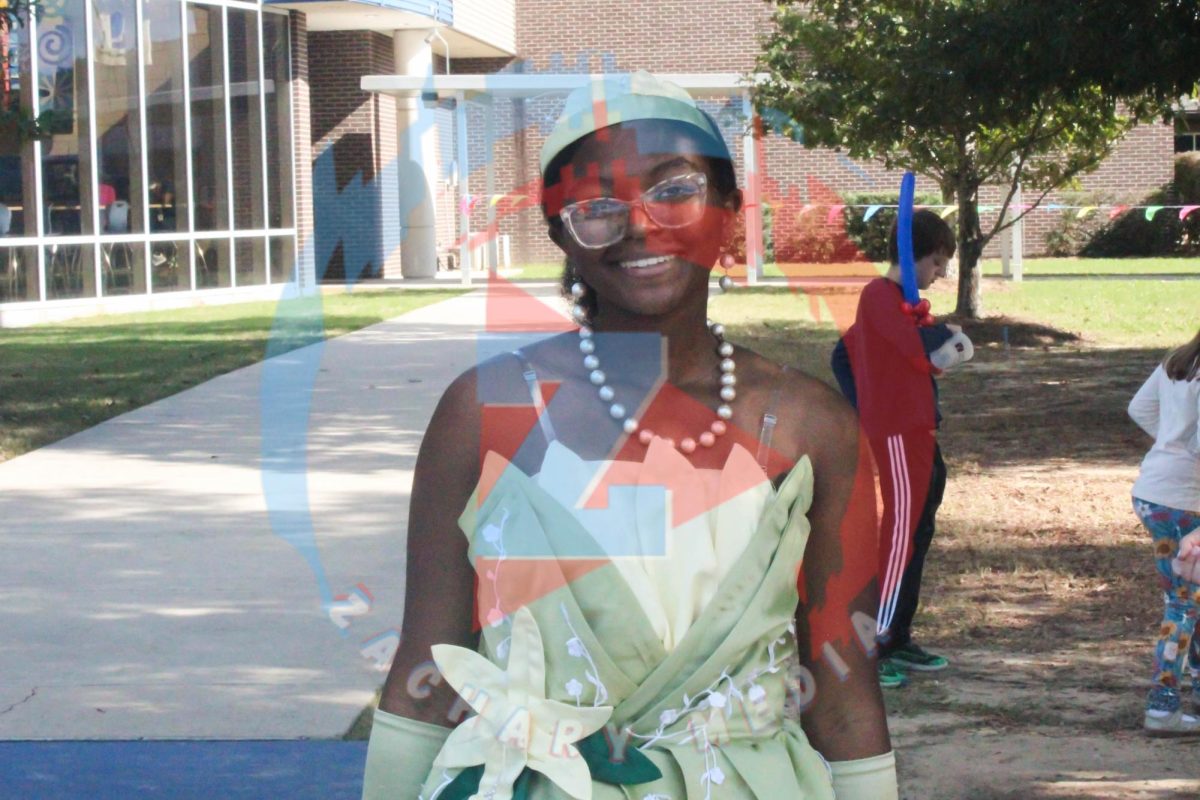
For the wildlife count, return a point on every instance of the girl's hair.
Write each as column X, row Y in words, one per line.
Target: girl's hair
column 724, row 182
column 1183, row 363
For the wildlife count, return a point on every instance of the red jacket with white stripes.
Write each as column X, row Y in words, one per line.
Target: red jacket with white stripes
column 892, row 374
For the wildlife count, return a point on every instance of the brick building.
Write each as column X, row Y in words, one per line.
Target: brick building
column 672, row 37
column 222, row 150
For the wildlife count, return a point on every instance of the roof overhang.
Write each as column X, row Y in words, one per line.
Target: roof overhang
column 369, row 15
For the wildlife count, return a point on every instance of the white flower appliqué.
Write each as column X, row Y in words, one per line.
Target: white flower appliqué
column 516, row 725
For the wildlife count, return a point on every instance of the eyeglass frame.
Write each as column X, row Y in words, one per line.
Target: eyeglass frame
column 564, row 213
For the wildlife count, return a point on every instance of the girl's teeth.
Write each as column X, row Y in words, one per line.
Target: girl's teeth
column 645, row 262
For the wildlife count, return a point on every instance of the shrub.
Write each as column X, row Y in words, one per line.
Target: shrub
column 809, row 237
column 1131, row 234
column 1070, row 234
column 1187, row 178
column 871, row 235
column 737, row 247
column 1187, row 192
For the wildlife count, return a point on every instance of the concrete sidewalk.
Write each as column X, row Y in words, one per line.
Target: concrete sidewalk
column 147, row 592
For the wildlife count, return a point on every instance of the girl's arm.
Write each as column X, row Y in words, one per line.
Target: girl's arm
column 439, row 581
column 835, row 622
column 1143, row 408
column 417, row 707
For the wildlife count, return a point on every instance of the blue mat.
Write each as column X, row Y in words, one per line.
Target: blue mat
column 296, row 770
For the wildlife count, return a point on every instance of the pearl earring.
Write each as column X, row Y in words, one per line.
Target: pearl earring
column 578, row 312
column 726, row 283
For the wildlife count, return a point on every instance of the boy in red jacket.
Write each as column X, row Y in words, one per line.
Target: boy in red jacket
column 885, row 365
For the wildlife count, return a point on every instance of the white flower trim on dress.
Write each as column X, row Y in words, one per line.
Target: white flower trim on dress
column 516, row 725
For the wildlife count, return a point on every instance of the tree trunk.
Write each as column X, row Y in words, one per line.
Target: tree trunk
column 970, row 247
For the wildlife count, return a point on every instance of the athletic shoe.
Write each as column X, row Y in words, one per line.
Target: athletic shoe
column 890, row 676
column 1170, row 723
column 912, row 656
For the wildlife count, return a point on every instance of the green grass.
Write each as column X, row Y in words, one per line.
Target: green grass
column 1101, row 266
column 1137, row 313
column 550, row 271
column 58, row 379
column 991, row 267
column 1115, row 313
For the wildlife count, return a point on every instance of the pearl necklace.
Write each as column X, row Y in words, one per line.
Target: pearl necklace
column 708, row 438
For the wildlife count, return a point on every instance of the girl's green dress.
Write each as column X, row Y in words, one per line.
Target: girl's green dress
column 708, row 711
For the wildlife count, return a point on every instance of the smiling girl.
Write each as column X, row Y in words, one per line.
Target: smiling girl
column 682, row 520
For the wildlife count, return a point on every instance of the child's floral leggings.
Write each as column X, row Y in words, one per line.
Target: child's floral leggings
column 1181, row 599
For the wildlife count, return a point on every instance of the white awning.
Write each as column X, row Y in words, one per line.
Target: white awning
column 512, row 85
column 516, row 85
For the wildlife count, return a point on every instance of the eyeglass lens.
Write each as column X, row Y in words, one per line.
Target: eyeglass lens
column 672, row 203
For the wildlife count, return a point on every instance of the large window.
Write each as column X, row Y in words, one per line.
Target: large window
column 166, row 134
column 62, row 89
column 206, row 71
column 16, row 95
column 246, row 128
column 118, row 114
column 18, row 265
column 165, row 159
column 279, row 120
column 118, row 140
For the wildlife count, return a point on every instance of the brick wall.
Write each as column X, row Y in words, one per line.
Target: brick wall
column 1140, row 164
column 670, row 36
column 361, row 129
column 656, row 35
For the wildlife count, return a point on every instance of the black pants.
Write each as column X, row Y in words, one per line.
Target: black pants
column 910, row 585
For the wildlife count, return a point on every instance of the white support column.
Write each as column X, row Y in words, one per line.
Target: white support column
column 1005, row 256
column 464, row 186
column 188, row 165
column 230, row 218
column 1012, row 243
column 753, row 198
column 34, row 195
column 93, row 166
column 417, row 156
column 143, row 41
column 493, row 242
column 1018, row 241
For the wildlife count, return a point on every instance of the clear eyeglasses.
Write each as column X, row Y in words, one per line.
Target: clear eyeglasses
column 673, row 203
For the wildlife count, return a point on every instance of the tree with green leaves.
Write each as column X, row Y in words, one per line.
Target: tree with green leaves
column 977, row 92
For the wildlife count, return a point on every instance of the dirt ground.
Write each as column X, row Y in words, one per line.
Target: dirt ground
column 1039, row 586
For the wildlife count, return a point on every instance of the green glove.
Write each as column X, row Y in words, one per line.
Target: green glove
column 871, row 778
column 399, row 756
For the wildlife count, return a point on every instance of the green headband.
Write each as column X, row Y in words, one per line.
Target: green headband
column 614, row 99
